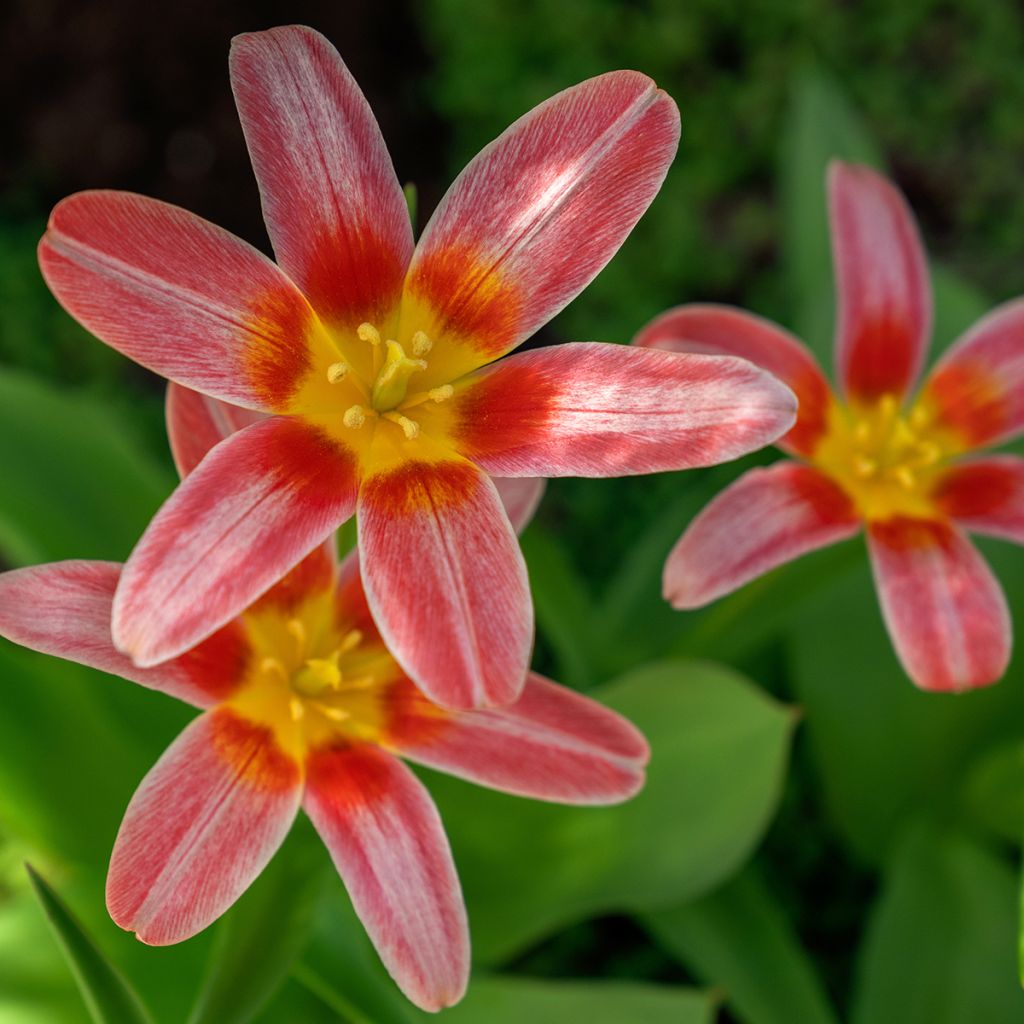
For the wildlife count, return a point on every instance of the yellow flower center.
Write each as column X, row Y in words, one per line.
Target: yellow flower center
column 887, row 461
column 387, row 396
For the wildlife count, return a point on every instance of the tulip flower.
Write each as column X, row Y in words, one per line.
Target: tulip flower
column 304, row 706
column 376, row 361
column 903, row 466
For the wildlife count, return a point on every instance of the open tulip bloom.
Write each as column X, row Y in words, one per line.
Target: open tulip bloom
column 305, row 706
column 376, row 361
column 905, row 467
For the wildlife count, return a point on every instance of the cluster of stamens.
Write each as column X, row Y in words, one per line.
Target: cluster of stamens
column 313, row 682
column 388, row 397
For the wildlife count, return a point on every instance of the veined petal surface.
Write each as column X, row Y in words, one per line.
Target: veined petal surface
column 64, row 609
column 985, row 496
column 196, row 423
column 724, row 331
column 181, row 296
column 254, row 508
column 551, row 744
column 766, row 518
column 882, row 283
column 387, row 842
column 333, row 206
column 945, row 610
column 591, row 409
column 446, row 581
column 534, row 217
column 977, row 387
column 201, row 826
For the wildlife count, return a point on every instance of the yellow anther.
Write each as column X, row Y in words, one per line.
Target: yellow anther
column 362, row 683
column 888, row 405
column 902, row 434
column 441, row 394
column 354, row 417
column 273, row 667
column 410, row 428
column 905, row 477
column 919, row 417
column 337, row 372
column 864, row 467
column 421, row 344
column 298, row 631
column 333, row 713
column 930, row 453
column 297, row 708
column 862, row 432
column 350, row 641
column 367, row 332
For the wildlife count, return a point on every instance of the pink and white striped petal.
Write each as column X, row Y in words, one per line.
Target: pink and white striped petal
column 196, row 423
column 259, row 503
column 521, row 495
column 552, row 744
column 883, row 288
column 201, row 826
column 387, row 842
column 333, row 206
column 181, row 296
column 977, row 387
column 590, row 409
column 64, row 609
column 534, row 217
column 985, row 496
column 446, row 581
column 945, row 611
column 766, row 518
column 724, row 331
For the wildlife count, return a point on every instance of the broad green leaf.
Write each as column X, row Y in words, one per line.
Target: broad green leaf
column 261, row 936
column 958, row 306
column 940, row 943
column 882, row 748
column 820, row 126
column 719, row 751
column 991, row 793
column 76, row 485
column 108, row 996
column 513, row 1000
column 739, row 941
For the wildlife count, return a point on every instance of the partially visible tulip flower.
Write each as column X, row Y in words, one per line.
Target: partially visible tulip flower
column 304, row 706
column 372, row 357
column 902, row 465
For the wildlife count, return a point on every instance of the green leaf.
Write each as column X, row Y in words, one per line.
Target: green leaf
column 106, row 993
column 820, row 126
column 98, row 489
column 991, row 794
column 512, row 1000
column 940, row 941
column 739, row 940
column 719, row 753
column 261, row 936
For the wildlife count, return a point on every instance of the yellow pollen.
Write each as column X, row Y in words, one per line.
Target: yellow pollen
column 367, row 332
column 333, row 713
column 354, row 417
column 421, row 344
column 337, row 372
column 864, row 467
column 905, row 477
column 273, row 667
column 350, row 641
column 297, row 709
column 298, row 631
column 409, row 427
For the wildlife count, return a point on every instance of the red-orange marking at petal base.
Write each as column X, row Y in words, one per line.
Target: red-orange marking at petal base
column 346, row 776
column 313, row 575
column 276, row 357
column 310, row 461
column 470, row 298
column 217, row 666
column 411, row 717
column 812, row 419
column 881, row 358
column 968, row 398
column 827, row 498
column 904, row 534
column 421, row 486
column 253, row 753
column 970, row 491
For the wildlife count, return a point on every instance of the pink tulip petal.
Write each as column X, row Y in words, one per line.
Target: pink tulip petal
column 530, row 222
column 766, row 518
column 723, row 331
column 255, row 507
column 64, row 609
column 985, row 496
column 196, row 423
column 201, row 826
column 552, row 744
column 387, row 842
column 520, row 495
column 589, row 409
column 181, row 296
column 946, row 612
column 883, row 288
column 333, row 206
column 977, row 387
column 446, row 581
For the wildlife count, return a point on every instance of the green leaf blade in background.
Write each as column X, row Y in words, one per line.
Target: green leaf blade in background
column 108, row 996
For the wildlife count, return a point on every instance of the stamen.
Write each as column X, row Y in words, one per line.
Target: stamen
column 409, row 427
column 919, row 417
column 360, row 683
column 906, row 478
column 930, row 453
column 337, row 372
column 354, row 417
column 298, row 631
column 297, row 708
column 888, row 405
column 273, row 667
column 421, row 344
column 350, row 641
column 333, row 713
column 862, row 432
column 367, row 332
column 439, row 394
column 865, row 467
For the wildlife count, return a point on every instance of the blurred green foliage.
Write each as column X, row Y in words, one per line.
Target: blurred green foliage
column 884, row 892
